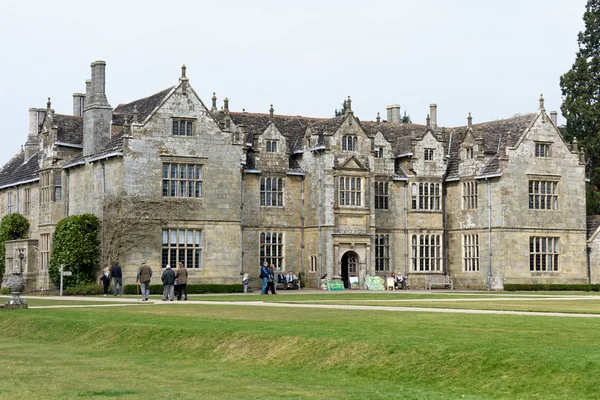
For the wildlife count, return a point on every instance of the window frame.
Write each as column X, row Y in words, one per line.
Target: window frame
column 542, row 150
column 544, row 252
column 270, row 193
column 172, row 180
column 176, row 247
column 382, row 253
column 539, row 196
column 188, row 124
column 349, row 143
column 382, row 195
column 273, row 252
column 350, row 191
column 271, row 146
column 470, row 195
column 426, row 255
column 471, row 253
column 428, row 154
column 425, row 196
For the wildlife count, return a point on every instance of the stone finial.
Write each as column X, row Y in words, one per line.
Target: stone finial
column 470, row 120
column 575, row 146
column 348, row 104
column 271, row 111
column 285, row 127
column 509, row 142
column 48, row 104
column 582, row 156
column 378, row 119
column 541, row 101
column 428, row 121
column 183, row 68
column 214, row 102
column 226, row 104
column 135, row 114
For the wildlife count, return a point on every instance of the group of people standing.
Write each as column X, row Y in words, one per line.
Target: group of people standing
column 267, row 274
column 174, row 282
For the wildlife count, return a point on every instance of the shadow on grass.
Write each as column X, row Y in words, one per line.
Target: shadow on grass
column 106, row 393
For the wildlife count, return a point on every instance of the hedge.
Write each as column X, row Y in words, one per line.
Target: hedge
column 12, row 227
column 550, row 287
column 191, row 289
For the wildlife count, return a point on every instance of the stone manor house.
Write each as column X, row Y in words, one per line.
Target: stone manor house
column 223, row 190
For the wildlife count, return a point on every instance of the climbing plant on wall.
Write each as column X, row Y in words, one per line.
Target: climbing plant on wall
column 12, row 227
column 75, row 245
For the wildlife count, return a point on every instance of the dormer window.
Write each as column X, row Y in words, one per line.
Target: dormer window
column 349, row 143
column 469, row 151
column 271, row 146
column 378, row 152
column 183, row 127
column 428, row 155
column 542, row 149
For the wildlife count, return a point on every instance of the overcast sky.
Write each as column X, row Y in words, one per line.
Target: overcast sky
column 491, row 58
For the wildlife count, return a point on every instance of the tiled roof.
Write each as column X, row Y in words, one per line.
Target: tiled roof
column 593, row 222
column 16, row 170
column 70, row 128
column 124, row 112
column 292, row 127
column 398, row 134
column 494, row 135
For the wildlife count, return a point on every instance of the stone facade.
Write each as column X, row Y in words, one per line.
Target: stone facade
column 490, row 203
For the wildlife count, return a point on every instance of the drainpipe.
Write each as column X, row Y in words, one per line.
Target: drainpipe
column 444, row 232
column 489, row 190
column 242, row 221
column 406, row 227
column 67, row 191
column 103, row 197
column 589, row 269
column 302, row 228
column 320, row 220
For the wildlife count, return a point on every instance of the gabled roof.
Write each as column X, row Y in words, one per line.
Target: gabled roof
column 70, row 128
column 592, row 224
column 18, row 170
column 398, row 134
column 145, row 106
column 494, row 135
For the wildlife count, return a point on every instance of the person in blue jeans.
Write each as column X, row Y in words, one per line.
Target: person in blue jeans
column 264, row 275
column 117, row 275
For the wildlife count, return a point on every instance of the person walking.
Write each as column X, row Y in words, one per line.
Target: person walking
column 264, row 275
column 245, row 282
column 117, row 275
column 144, row 275
column 105, row 278
column 181, row 278
column 271, row 280
column 168, row 280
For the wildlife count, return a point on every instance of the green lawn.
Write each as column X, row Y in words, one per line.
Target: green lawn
column 238, row 352
column 40, row 302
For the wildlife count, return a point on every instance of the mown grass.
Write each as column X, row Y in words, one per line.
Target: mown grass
column 238, row 352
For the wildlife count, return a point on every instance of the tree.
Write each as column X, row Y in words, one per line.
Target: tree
column 406, row 118
column 75, row 245
column 13, row 227
column 580, row 88
column 342, row 111
column 129, row 221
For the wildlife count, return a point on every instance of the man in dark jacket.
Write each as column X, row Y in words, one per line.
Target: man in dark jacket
column 181, row 278
column 264, row 275
column 117, row 275
column 168, row 280
column 144, row 275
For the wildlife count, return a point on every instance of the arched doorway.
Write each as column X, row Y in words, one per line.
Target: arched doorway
column 349, row 267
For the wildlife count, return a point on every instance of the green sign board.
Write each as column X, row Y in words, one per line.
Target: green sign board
column 335, row 285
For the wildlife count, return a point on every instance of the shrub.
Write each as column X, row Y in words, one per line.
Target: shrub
column 202, row 288
column 75, row 245
column 550, row 287
column 85, row 289
column 12, row 227
column 5, row 290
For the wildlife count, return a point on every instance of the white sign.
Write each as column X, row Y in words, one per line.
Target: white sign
column 67, row 273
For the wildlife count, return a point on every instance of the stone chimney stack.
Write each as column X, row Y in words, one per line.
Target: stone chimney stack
column 554, row 117
column 433, row 115
column 393, row 113
column 36, row 116
column 88, row 94
column 97, row 115
column 78, row 104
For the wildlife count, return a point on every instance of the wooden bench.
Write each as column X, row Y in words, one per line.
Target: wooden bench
column 441, row 280
column 286, row 286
